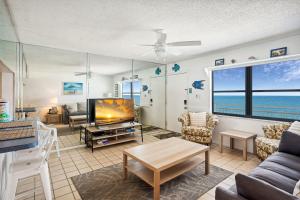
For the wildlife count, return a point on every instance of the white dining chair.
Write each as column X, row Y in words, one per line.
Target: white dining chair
column 37, row 165
column 41, row 125
column 43, row 130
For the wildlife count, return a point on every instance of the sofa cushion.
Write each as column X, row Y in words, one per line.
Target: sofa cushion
column 266, row 144
column 297, row 189
column 272, row 177
column 295, row 127
column 81, row 107
column 272, row 165
column 72, row 107
column 255, row 189
column 285, row 159
column 198, row 119
column 290, row 143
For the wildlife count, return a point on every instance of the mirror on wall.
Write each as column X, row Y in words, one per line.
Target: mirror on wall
column 149, row 92
column 54, row 89
column 107, row 74
column 8, row 72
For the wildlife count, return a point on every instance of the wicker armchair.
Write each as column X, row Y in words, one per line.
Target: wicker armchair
column 268, row 144
column 199, row 134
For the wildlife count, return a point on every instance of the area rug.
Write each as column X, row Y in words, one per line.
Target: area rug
column 108, row 183
column 161, row 133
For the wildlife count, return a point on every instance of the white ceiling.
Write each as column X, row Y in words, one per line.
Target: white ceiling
column 117, row 27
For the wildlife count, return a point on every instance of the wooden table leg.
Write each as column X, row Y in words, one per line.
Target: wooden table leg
column 231, row 143
column 245, row 150
column 221, row 143
column 207, row 162
column 156, row 188
column 125, row 163
column 254, row 146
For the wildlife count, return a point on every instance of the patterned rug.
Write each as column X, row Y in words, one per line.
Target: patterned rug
column 160, row 133
column 107, row 183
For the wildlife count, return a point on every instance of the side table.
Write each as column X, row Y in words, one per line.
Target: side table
column 240, row 135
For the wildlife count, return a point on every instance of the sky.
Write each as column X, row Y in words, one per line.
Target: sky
column 136, row 86
column 279, row 75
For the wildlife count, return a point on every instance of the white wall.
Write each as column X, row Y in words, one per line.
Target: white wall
column 7, row 90
column 200, row 100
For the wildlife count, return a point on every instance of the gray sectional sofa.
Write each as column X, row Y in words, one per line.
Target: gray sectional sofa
column 274, row 179
column 73, row 109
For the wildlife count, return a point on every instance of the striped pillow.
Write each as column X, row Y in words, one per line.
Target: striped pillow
column 295, row 128
column 198, row 119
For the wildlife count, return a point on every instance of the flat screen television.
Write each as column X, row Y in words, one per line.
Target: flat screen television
column 114, row 110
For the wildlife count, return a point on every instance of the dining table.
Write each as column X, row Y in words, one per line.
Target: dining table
column 8, row 150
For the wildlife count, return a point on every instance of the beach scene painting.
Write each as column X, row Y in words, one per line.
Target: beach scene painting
column 72, row 88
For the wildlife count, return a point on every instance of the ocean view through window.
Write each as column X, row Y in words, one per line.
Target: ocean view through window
column 268, row 91
column 136, row 91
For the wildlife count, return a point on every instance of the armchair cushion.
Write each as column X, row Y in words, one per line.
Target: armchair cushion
column 274, row 131
column 196, row 131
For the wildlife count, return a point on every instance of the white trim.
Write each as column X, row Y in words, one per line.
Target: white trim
column 255, row 62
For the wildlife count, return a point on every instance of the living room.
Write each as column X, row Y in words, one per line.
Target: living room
column 212, row 91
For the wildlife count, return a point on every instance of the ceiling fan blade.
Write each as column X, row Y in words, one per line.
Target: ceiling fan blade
column 185, row 43
column 79, row 73
column 148, row 45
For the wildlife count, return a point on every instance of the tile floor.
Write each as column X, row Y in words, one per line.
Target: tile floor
column 81, row 160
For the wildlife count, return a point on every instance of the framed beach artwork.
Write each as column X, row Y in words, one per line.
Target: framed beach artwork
column 278, row 52
column 72, row 88
column 219, row 62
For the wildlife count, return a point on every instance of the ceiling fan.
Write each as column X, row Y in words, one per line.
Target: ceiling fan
column 160, row 46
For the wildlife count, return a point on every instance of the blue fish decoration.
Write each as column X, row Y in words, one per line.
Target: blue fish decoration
column 145, row 88
column 176, row 68
column 198, row 84
column 157, row 71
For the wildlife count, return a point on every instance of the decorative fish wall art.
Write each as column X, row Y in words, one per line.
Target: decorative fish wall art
column 176, row 68
column 145, row 88
column 198, row 84
column 157, row 71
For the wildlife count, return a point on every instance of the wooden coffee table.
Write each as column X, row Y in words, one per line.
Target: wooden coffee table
column 164, row 160
column 240, row 135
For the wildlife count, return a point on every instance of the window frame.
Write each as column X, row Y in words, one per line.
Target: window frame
column 248, row 97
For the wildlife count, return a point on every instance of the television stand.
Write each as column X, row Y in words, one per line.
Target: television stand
column 105, row 135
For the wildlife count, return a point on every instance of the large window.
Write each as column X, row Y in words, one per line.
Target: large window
column 271, row 91
column 229, row 91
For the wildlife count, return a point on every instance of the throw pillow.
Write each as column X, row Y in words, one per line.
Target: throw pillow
column 295, row 127
column 72, row 107
column 297, row 189
column 198, row 119
column 289, row 143
column 81, row 107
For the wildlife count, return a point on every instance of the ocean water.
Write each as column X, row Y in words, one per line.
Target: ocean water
column 136, row 98
column 287, row 107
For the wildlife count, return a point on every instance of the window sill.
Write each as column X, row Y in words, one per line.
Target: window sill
column 253, row 118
